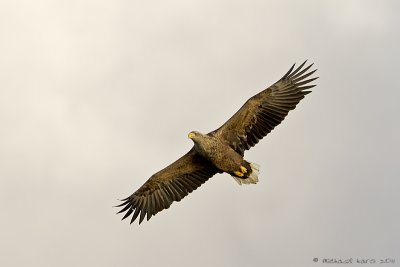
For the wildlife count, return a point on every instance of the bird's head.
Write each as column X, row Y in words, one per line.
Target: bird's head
column 194, row 135
column 199, row 141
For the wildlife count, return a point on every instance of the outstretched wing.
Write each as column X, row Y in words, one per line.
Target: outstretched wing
column 262, row 112
column 168, row 185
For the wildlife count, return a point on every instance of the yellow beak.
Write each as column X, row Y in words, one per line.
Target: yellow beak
column 191, row 135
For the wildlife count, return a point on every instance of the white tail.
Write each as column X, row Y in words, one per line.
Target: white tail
column 253, row 178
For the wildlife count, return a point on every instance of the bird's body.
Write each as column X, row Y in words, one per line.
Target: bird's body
column 221, row 155
column 221, row 150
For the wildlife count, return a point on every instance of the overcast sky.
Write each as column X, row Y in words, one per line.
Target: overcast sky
column 96, row 96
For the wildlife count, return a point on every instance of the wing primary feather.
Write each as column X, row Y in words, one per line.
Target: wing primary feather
column 152, row 202
column 290, row 92
column 271, row 108
column 149, row 216
column 126, row 200
column 303, row 71
column 303, row 77
column 306, row 87
column 166, row 198
column 158, row 207
column 127, row 213
column 168, row 194
column 144, row 203
column 134, row 216
column 161, row 201
column 139, row 202
column 279, row 105
column 291, row 97
column 149, row 207
column 287, row 73
column 296, row 70
column 142, row 215
column 136, row 201
column 158, row 200
column 124, row 209
column 306, row 81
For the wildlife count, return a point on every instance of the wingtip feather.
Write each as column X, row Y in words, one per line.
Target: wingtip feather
column 288, row 72
column 296, row 70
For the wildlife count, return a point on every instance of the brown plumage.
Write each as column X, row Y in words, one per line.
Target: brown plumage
column 221, row 150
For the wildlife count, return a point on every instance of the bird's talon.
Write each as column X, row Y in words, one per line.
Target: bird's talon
column 243, row 169
column 239, row 174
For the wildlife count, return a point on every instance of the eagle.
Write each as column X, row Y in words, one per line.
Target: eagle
column 221, row 150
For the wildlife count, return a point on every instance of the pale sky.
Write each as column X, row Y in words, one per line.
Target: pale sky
column 96, row 96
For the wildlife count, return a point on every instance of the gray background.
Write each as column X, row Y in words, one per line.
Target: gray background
column 96, row 96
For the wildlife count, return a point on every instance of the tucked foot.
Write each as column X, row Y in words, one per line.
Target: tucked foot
column 239, row 174
column 251, row 179
column 243, row 169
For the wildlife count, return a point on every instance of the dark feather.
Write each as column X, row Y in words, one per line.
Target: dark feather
column 267, row 109
column 168, row 185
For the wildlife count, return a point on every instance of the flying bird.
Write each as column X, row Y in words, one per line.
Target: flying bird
column 221, row 150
